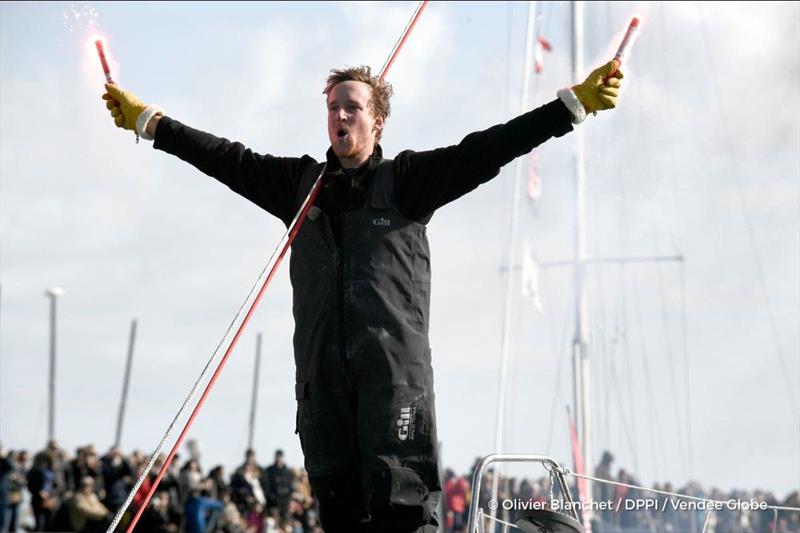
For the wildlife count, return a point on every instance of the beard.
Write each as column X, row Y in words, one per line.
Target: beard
column 345, row 146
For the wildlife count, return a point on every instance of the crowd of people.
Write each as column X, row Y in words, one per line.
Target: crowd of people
column 83, row 493
column 741, row 511
column 56, row 492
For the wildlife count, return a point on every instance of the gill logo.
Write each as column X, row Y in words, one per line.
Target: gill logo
column 406, row 423
column 381, row 222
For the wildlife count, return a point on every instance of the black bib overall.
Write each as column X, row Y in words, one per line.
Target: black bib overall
column 364, row 379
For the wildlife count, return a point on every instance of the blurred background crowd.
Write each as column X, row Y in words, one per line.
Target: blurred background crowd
column 55, row 491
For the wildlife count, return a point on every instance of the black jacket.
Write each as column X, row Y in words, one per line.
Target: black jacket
column 424, row 181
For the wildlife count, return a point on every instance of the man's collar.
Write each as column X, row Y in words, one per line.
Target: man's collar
column 335, row 166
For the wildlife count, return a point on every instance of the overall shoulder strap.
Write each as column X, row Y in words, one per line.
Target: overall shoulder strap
column 307, row 179
column 383, row 185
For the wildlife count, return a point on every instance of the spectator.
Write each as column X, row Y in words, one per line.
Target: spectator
column 250, row 460
column 171, row 482
column 217, row 476
column 87, row 513
column 255, row 520
column 6, row 469
column 159, row 516
column 455, row 493
column 117, row 475
column 200, row 510
column 17, row 482
column 144, row 489
column 279, row 487
column 604, row 492
column 58, row 465
column 231, row 520
column 190, row 478
column 41, row 485
column 246, row 488
column 302, row 499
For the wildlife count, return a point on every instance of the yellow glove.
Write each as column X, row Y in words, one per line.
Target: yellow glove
column 600, row 90
column 125, row 107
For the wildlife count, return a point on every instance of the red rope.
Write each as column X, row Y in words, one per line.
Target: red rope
column 402, row 41
column 312, row 195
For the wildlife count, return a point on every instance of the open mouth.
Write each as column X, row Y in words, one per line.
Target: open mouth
column 341, row 132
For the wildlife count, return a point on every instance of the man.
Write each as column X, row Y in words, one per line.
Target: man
column 360, row 269
column 117, row 473
column 279, row 480
column 201, row 509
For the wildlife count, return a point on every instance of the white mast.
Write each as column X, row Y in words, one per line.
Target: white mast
column 580, row 356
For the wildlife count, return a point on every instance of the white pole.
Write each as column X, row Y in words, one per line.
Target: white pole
column 52, row 293
column 125, row 383
column 579, row 345
column 511, row 262
column 254, row 397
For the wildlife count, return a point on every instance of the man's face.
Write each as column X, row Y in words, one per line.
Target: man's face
column 352, row 127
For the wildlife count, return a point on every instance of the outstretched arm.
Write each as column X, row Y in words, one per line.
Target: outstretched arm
column 425, row 181
column 266, row 180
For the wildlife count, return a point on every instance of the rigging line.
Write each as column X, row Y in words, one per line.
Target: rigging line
column 512, row 260
column 264, row 280
column 561, row 355
column 271, row 266
column 686, row 371
column 537, row 25
column 539, row 19
column 192, row 393
column 606, row 362
column 608, row 352
column 656, row 170
column 568, row 472
column 666, row 46
column 613, row 383
column 626, row 427
column 514, row 366
column 751, row 238
column 653, row 419
column 627, row 351
column 509, row 24
column 705, row 522
column 671, row 364
column 663, row 20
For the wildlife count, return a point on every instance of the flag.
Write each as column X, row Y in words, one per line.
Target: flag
column 534, row 180
column 542, row 46
column 530, row 278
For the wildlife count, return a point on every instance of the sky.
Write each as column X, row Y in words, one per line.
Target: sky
column 695, row 364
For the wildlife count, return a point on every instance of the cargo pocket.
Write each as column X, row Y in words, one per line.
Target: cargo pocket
column 399, row 499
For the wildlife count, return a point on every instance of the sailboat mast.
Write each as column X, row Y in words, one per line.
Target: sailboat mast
column 580, row 358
